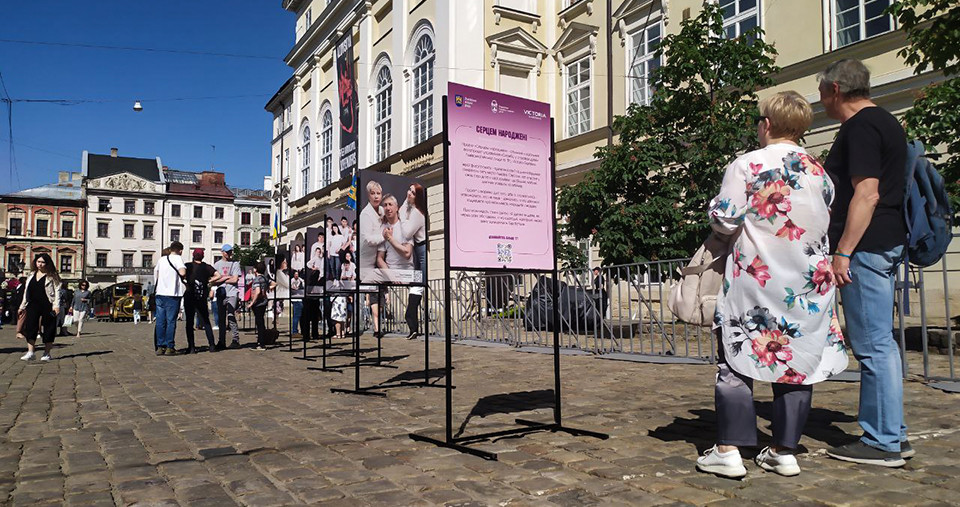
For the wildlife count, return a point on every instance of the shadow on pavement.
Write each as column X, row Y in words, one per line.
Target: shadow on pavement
column 85, row 354
column 509, row 403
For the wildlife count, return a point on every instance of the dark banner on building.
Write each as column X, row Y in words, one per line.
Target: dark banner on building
column 349, row 105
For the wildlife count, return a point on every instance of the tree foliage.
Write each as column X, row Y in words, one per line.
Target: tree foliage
column 933, row 31
column 648, row 198
column 254, row 253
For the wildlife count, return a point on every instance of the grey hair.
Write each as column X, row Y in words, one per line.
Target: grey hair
column 851, row 75
column 373, row 184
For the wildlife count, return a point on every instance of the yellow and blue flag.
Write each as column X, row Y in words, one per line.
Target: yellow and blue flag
column 352, row 194
column 275, row 230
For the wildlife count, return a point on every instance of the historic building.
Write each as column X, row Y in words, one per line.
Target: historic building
column 125, row 203
column 589, row 59
column 48, row 219
column 253, row 214
column 199, row 211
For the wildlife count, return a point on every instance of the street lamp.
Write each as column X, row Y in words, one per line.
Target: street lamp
column 137, row 106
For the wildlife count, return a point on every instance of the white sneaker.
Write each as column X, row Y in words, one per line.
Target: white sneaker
column 783, row 464
column 45, row 357
column 28, row 356
column 728, row 464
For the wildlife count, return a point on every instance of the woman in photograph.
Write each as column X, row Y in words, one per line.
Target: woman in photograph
column 41, row 304
column 348, row 272
column 774, row 204
column 315, row 265
column 296, row 258
column 283, row 287
column 413, row 214
column 335, row 241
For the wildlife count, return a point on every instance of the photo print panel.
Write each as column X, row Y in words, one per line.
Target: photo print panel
column 392, row 239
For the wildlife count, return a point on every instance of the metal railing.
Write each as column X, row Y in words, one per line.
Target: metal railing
column 624, row 311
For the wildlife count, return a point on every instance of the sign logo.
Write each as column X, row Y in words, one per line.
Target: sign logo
column 494, row 106
column 458, row 100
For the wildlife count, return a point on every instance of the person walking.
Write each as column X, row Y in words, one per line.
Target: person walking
column 227, row 295
column 168, row 274
column 41, row 305
column 774, row 205
column 137, row 309
column 258, row 301
column 867, row 230
column 200, row 276
column 81, row 305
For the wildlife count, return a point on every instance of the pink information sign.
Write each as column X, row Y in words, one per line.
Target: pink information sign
column 501, row 181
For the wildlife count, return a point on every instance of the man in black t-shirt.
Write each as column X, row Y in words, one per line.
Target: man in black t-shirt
column 867, row 234
column 200, row 276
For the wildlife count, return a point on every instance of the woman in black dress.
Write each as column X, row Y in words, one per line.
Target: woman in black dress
column 41, row 303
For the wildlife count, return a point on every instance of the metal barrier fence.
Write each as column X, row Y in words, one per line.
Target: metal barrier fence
column 623, row 311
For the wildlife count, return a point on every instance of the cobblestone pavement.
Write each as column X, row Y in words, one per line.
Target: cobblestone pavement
column 107, row 422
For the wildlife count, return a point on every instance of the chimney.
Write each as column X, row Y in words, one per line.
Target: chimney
column 63, row 177
column 113, row 152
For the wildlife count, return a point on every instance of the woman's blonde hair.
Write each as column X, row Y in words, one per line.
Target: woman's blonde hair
column 789, row 113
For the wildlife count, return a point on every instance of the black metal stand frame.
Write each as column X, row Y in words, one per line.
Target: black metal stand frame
column 460, row 443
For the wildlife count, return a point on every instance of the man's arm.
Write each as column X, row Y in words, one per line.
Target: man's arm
column 866, row 195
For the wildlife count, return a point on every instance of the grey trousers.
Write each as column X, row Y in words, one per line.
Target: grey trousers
column 737, row 416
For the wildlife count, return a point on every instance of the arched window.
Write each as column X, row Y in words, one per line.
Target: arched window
column 423, row 89
column 384, row 111
column 326, row 148
column 305, row 164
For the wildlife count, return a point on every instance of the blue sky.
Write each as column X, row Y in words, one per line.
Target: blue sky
column 50, row 137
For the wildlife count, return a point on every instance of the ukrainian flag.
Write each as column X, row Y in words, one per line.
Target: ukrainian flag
column 275, row 230
column 352, row 194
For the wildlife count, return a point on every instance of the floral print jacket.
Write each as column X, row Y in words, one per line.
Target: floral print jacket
column 776, row 307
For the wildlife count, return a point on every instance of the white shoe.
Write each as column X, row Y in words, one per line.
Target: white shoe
column 783, row 464
column 45, row 357
column 27, row 357
column 728, row 465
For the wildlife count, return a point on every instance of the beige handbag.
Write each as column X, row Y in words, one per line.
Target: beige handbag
column 693, row 299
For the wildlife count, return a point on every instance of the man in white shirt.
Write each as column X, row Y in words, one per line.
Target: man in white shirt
column 168, row 275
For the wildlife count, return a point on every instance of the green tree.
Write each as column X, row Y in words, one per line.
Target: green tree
column 252, row 254
column 933, row 31
column 648, row 198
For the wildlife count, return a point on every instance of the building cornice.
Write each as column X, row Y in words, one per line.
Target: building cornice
column 335, row 19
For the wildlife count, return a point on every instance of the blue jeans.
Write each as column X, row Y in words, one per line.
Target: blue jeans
column 297, row 311
column 168, row 307
column 868, row 310
column 215, row 312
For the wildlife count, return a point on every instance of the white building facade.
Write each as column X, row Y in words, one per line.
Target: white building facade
column 200, row 212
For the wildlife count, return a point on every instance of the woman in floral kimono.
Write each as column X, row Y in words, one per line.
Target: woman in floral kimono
column 775, row 315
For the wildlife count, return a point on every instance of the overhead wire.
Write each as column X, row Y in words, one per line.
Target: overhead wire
column 135, row 48
column 12, row 169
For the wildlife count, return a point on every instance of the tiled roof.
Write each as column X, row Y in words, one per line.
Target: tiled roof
column 99, row 166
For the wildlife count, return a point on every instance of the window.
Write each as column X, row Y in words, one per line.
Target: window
column 146, row 260
column 265, row 236
column 643, row 64
column 305, row 160
column 101, row 259
column 42, row 226
column 129, row 207
column 13, row 261
column 739, row 16
column 279, row 168
column 245, row 238
column 384, row 110
column 127, row 231
column 16, row 227
column 217, row 258
column 174, row 234
column 218, row 213
column 423, row 89
column 218, row 237
column 103, row 229
column 66, row 230
column 128, row 260
column 198, row 212
column 326, row 147
column 66, row 264
column 148, row 208
column 175, row 210
column 198, row 236
column 578, row 97
column 103, row 205
column 245, row 218
column 309, row 17
column 147, row 231
column 265, row 219
column 857, row 20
